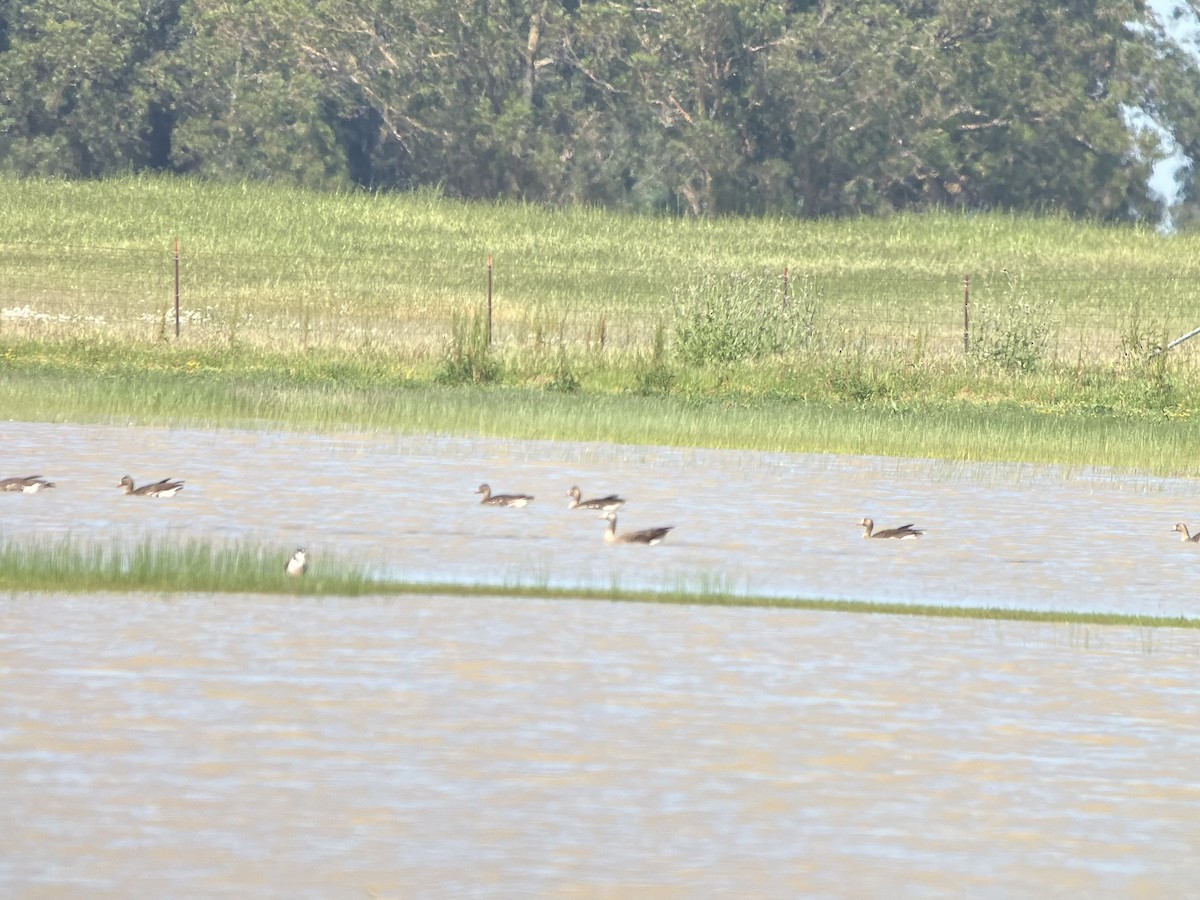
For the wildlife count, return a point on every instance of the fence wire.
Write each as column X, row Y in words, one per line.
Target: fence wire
column 411, row 305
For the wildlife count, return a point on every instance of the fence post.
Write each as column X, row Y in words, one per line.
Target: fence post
column 966, row 314
column 176, row 287
column 489, row 300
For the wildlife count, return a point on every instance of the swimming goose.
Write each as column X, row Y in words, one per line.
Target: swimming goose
column 611, row 503
column 646, row 536
column 902, row 533
column 490, row 499
column 30, row 484
column 298, row 564
column 164, row 488
column 1183, row 534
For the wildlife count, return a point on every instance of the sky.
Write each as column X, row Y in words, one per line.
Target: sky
column 1181, row 24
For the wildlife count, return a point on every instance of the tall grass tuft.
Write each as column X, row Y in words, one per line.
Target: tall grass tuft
column 168, row 565
column 469, row 358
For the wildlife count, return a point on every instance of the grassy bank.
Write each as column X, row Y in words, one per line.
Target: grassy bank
column 166, row 567
column 1040, row 417
column 316, row 311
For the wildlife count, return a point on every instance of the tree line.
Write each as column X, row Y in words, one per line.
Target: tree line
column 698, row 107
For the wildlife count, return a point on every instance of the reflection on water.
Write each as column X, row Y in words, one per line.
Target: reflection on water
column 451, row 747
column 766, row 523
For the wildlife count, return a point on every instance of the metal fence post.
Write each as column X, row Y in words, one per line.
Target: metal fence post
column 176, row 287
column 489, row 300
column 966, row 314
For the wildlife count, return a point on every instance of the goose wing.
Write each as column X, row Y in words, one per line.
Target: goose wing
column 647, row 535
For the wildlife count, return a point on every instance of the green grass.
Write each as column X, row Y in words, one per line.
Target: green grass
column 161, row 566
column 349, row 311
column 276, row 266
column 68, row 564
column 1034, row 418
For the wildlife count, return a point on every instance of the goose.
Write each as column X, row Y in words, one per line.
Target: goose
column 904, row 532
column 490, row 499
column 611, row 503
column 646, row 536
column 29, row 484
column 1183, row 534
column 164, row 488
column 298, row 564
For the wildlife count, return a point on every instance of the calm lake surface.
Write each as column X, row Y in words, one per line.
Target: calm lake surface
column 451, row 747
column 775, row 524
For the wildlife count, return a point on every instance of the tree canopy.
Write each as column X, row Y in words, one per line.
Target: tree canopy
column 702, row 107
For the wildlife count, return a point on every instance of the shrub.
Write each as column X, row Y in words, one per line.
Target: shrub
column 721, row 320
column 1013, row 333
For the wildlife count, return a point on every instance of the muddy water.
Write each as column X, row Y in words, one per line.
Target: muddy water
column 444, row 747
column 779, row 524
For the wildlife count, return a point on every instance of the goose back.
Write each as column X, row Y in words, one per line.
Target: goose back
column 513, row 500
column 901, row 532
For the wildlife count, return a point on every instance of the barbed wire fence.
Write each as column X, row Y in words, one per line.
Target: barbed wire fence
column 410, row 305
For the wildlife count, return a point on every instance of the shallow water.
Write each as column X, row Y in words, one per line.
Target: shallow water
column 449, row 747
column 764, row 523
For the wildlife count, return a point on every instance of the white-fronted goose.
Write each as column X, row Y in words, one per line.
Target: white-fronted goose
column 490, row 499
column 645, row 536
column 611, row 503
column 901, row 533
column 29, row 484
column 298, row 564
column 164, row 488
column 1183, row 534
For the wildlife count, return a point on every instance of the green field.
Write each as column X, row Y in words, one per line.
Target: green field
column 273, row 266
column 326, row 311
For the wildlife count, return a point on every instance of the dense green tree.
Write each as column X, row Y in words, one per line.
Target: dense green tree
column 245, row 100
column 701, row 107
column 81, row 96
column 973, row 104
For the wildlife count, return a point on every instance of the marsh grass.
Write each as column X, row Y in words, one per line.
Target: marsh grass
column 1136, row 424
column 169, row 566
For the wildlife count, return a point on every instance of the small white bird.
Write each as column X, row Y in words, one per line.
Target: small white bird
column 298, row 564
